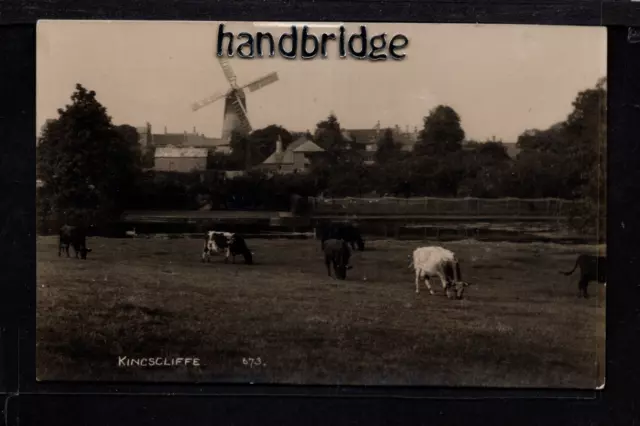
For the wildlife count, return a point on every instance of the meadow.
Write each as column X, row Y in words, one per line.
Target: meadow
column 520, row 324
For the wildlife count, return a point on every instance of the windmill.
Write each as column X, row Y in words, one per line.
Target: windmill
column 235, row 105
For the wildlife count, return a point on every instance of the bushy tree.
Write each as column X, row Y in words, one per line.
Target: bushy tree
column 442, row 132
column 487, row 167
column 388, row 149
column 87, row 165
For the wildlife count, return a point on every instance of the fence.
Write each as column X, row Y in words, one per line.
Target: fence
column 427, row 206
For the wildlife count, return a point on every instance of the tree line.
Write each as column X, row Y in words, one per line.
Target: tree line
column 94, row 169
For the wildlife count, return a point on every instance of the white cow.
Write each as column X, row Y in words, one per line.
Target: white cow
column 434, row 261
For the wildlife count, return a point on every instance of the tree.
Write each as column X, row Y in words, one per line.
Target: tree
column 486, row 169
column 263, row 142
column 552, row 139
column 241, row 150
column 442, row 132
column 586, row 129
column 328, row 136
column 86, row 164
column 388, row 149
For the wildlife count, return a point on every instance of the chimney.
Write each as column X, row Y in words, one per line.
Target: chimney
column 194, row 130
column 279, row 146
column 165, row 130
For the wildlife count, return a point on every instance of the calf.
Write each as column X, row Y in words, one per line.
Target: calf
column 73, row 236
column 232, row 245
column 337, row 253
column 592, row 268
column 433, row 261
column 343, row 231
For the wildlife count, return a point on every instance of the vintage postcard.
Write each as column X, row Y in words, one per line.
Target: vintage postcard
column 321, row 203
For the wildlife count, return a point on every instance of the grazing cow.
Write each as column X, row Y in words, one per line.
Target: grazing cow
column 337, row 253
column 592, row 268
column 232, row 244
column 73, row 236
column 433, row 261
column 342, row 231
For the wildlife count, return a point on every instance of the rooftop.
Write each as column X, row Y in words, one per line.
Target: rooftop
column 300, row 145
column 180, row 152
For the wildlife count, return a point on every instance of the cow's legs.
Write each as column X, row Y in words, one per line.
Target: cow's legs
column 67, row 250
column 59, row 249
column 582, row 287
column 443, row 280
column 327, row 262
column 426, row 283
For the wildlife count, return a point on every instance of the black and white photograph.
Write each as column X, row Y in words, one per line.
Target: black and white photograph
column 433, row 218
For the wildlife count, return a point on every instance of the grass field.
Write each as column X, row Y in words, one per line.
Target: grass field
column 520, row 325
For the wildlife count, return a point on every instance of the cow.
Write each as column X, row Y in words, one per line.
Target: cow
column 232, row 244
column 73, row 236
column 337, row 253
column 342, row 231
column 434, row 261
column 592, row 268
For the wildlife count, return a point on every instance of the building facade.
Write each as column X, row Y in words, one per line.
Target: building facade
column 294, row 159
column 180, row 159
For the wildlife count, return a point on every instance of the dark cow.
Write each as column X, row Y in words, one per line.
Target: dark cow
column 342, row 231
column 337, row 253
column 232, row 245
column 76, row 237
column 592, row 268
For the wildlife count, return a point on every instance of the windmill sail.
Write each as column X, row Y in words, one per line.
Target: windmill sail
column 204, row 102
column 228, row 72
column 262, row 82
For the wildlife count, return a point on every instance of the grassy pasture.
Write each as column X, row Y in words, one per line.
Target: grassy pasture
column 520, row 325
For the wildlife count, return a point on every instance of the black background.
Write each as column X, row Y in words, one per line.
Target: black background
column 29, row 403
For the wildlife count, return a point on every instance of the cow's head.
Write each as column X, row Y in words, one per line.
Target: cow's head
column 83, row 253
column 455, row 289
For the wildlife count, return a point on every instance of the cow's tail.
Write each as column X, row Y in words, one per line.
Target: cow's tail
column 571, row 271
column 410, row 262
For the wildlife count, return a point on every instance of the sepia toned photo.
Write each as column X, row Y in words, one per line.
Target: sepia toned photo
column 412, row 204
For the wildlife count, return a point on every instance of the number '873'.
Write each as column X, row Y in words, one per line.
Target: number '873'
column 252, row 362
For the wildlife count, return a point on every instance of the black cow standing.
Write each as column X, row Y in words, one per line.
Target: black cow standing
column 343, row 231
column 592, row 268
column 76, row 237
column 337, row 253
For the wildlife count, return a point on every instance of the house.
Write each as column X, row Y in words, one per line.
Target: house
column 185, row 139
column 180, row 159
column 294, row 159
column 366, row 140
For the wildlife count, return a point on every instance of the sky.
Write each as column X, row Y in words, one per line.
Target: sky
column 501, row 79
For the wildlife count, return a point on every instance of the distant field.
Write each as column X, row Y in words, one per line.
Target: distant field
column 521, row 325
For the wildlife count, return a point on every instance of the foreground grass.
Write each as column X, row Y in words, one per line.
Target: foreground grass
column 521, row 325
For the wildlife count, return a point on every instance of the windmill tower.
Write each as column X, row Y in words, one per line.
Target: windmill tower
column 235, row 104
